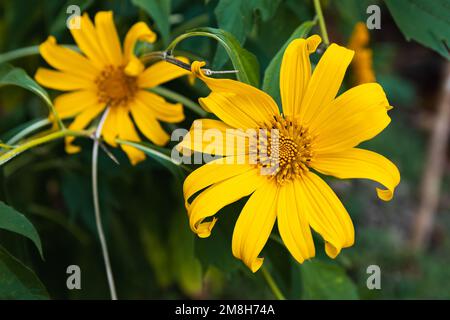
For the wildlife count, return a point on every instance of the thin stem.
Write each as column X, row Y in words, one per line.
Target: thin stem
column 272, row 284
column 38, row 141
column 29, row 129
column 19, row 53
column 323, row 27
column 25, row 52
column 98, row 219
column 169, row 94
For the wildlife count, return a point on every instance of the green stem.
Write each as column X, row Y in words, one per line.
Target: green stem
column 25, row 52
column 19, row 53
column 323, row 27
column 38, row 141
column 169, row 94
column 272, row 284
column 29, row 129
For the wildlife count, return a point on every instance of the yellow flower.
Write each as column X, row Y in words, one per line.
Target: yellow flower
column 108, row 75
column 362, row 62
column 316, row 131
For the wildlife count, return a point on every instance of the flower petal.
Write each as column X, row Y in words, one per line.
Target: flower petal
column 147, row 123
column 111, row 127
column 355, row 116
column 81, row 122
column 237, row 104
column 88, row 41
column 128, row 132
column 67, row 60
column 214, row 137
column 359, row 163
column 255, row 224
column 217, row 196
column 138, row 32
column 295, row 73
column 325, row 81
column 160, row 108
column 293, row 224
column 61, row 80
column 107, row 35
column 213, row 172
column 70, row 104
column 161, row 72
column 325, row 213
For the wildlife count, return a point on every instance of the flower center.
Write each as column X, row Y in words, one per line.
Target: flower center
column 114, row 87
column 283, row 149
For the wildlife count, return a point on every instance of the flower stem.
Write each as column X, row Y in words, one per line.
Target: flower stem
column 19, row 53
column 29, row 129
column 272, row 284
column 169, row 94
column 27, row 51
column 98, row 219
column 323, row 27
column 5, row 157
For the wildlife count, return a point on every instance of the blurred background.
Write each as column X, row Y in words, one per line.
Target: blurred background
column 154, row 254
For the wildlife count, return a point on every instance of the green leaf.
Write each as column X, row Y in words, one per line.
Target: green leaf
column 17, row 281
column 14, row 221
column 271, row 82
column 242, row 60
column 424, row 21
column 10, row 75
column 326, row 281
column 159, row 10
column 237, row 17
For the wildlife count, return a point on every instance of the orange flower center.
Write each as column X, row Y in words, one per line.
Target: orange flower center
column 283, row 149
column 114, row 87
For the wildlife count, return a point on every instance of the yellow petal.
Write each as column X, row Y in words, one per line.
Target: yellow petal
column 138, row 32
column 235, row 103
column 355, row 116
column 88, row 41
column 147, row 123
column 67, row 60
column 107, row 35
column 160, row 108
column 359, row 163
column 127, row 132
column 161, row 72
column 214, row 137
column 70, row 104
column 211, row 173
column 255, row 224
column 61, row 80
column 293, row 224
column 217, row 196
column 81, row 122
column 325, row 81
column 111, row 127
column 325, row 213
column 295, row 73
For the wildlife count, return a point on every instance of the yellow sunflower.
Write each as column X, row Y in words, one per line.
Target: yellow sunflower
column 107, row 75
column 316, row 131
